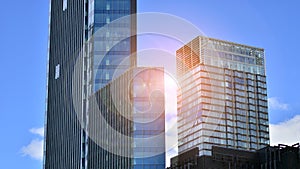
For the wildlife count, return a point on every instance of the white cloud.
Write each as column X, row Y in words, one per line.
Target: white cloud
column 276, row 104
column 287, row 132
column 34, row 149
column 39, row 131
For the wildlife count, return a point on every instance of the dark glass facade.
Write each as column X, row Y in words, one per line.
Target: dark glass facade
column 127, row 122
column 223, row 99
column 149, row 118
column 112, row 41
column 62, row 127
column 79, row 64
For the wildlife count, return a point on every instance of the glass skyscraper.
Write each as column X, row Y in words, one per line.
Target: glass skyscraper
column 89, row 46
column 223, row 96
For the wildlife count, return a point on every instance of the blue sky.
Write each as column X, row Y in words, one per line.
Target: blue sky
column 24, row 32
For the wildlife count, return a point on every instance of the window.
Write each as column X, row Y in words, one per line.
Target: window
column 239, row 80
column 229, row 123
column 251, row 101
column 230, row 136
column 252, row 120
column 252, row 114
column 107, row 62
column 253, row 132
column 57, row 71
column 251, row 95
column 230, row 142
column 250, row 88
column 65, row 4
column 107, row 20
column 253, row 126
column 253, row 145
column 107, row 6
column 251, row 107
column 107, row 76
column 229, row 129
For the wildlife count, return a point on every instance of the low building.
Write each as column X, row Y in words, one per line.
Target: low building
column 280, row 157
column 271, row 157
